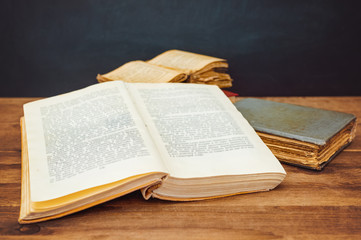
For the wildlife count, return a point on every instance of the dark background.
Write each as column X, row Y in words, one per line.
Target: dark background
column 274, row 48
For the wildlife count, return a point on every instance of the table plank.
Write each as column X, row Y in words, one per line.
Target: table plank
column 307, row 205
column 12, row 108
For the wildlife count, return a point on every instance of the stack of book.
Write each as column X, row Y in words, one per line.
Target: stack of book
column 173, row 66
column 177, row 142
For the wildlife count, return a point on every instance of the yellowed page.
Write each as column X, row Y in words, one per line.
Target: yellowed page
column 182, row 60
column 200, row 133
column 139, row 71
column 84, row 139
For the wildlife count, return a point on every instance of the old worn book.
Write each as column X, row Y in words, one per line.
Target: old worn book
column 140, row 71
column 174, row 66
column 302, row 136
column 178, row 142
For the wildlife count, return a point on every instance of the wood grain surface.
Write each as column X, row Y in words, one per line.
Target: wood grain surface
column 307, row 205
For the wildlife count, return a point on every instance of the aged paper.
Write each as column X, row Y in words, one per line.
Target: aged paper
column 86, row 138
column 200, row 133
column 184, row 61
column 139, row 71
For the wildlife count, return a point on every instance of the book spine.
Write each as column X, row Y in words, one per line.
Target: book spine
column 147, row 192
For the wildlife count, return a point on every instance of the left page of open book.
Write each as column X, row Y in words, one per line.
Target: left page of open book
column 139, row 71
column 84, row 139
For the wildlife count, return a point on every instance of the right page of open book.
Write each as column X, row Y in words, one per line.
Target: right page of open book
column 182, row 60
column 200, row 133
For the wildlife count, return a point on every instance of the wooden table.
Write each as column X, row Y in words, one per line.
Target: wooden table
column 307, row 205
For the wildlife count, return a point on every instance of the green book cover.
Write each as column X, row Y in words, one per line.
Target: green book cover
column 301, row 123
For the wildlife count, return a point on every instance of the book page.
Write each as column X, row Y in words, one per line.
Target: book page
column 200, row 133
column 139, row 71
column 86, row 138
column 185, row 61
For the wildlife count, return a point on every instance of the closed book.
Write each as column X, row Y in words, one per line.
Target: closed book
column 299, row 135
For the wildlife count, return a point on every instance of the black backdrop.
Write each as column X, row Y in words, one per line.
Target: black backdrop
column 274, row 48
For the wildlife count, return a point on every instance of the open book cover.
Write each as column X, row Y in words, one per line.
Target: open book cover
column 173, row 66
column 298, row 135
column 179, row 142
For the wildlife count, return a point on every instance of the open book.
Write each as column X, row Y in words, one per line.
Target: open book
column 178, row 142
column 173, row 66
